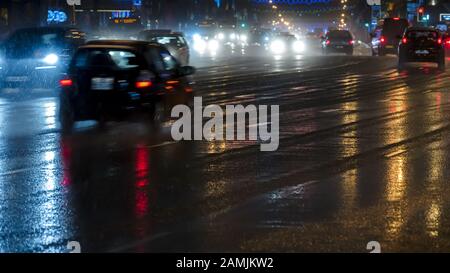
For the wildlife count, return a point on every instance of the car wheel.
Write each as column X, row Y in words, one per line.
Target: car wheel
column 441, row 63
column 66, row 115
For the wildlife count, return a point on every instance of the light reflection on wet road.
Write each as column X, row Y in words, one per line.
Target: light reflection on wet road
column 363, row 156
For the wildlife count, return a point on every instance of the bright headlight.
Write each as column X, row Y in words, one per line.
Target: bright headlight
column 278, row 47
column 244, row 38
column 298, row 46
column 199, row 45
column 51, row 59
column 221, row 36
column 232, row 36
column 196, row 37
column 213, row 45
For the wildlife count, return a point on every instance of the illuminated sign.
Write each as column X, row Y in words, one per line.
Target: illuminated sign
column 56, row 16
column 445, row 16
column 126, row 21
column 292, row 2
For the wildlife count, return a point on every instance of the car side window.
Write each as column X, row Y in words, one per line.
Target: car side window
column 169, row 62
column 154, row 59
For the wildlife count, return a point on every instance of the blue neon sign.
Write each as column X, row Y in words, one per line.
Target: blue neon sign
column 56, row 16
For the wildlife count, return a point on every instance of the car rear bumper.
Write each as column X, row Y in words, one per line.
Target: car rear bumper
column 388, row 49
column 339, row 48
column 110, row 102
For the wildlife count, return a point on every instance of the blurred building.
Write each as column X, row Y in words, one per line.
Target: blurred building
column 408, row 9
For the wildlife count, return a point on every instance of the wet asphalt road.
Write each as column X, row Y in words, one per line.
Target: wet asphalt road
column 364, row 156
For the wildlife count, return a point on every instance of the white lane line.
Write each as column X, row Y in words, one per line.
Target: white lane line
column 162, row 144
column 259, row 124
column 330, row 110
column 15, row 171
column 395, row 153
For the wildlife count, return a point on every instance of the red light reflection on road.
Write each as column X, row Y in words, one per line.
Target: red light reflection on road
column 142, row 181
column 66, row 153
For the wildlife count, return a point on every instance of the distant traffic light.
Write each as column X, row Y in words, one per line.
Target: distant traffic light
column 420, row 14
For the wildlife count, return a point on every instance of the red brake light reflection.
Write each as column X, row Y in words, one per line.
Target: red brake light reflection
column 143, row 84
column 404, row 40
column 66, row 82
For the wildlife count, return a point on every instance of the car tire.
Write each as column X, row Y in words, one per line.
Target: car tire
column 66, row 115
column 441, row 63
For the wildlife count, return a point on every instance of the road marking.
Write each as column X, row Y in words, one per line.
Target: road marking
column 163, row 144
column 15, row 171
column 395, row 153
column 330, row 110
column 259, row 124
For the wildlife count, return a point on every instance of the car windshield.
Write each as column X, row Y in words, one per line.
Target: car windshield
column 423, row 35
column 166, row 40
column 122, row 59
column 339, row 35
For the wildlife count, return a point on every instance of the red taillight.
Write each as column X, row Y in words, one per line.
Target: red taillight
column 327, row 42
column 396, row 18
column 439, row 41
column 404, row 40
column 143, row 84
column 351, row 42
column 382, row 40
column 66, row 82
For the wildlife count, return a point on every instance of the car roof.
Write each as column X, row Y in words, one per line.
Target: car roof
column 119, row 44
column 156, row 31
column 421, row 29
column 129, row 43
column 339, row 30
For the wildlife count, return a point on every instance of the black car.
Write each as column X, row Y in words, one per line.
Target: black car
column 108, row 78
column 36, row 56
column 338, row 41
column 420, row 44
column 387, row 39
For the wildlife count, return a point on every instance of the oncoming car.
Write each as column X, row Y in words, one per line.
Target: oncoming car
column 174, row 41
column 286, row 44
column 420, row 44
column 36, row 56
column 111, row 78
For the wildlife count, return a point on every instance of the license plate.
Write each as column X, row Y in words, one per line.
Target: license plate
column 339, row 46
column 389, row 46
column 422, row 52
column 102, row 83
column 17, row 78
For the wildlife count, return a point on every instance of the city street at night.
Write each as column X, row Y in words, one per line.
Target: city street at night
column 224, row 135
column 363, row 156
